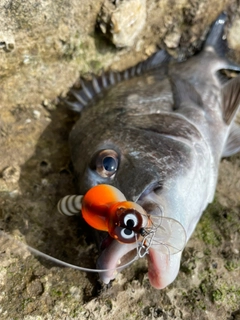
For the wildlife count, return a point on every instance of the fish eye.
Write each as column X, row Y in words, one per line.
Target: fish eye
column 107, row 163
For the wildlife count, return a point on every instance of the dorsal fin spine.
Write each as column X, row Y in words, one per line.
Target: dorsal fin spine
column 112, row 78
column 86, row 89
column 104, row 80
column 96, row 85
column 79, row 97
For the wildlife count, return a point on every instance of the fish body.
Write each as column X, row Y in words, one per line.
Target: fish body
column 157, row 133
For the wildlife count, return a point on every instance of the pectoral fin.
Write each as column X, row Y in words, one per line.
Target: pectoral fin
column 232, row 145
column 231, row 99
column 184, row 94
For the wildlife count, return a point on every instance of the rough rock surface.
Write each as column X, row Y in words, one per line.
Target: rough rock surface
column 44, row 46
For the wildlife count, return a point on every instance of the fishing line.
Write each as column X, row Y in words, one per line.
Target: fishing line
column 60, row 262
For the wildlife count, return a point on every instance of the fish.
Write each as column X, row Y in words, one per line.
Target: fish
column 157, row 132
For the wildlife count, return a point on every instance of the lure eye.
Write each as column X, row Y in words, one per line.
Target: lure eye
column 130, row 220
column 107, row 163
column 124, row 235
column 127, row 224
column 127, row 234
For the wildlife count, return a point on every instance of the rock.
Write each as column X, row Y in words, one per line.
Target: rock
column 11, row 174
column 35, row 288
column 122, row 21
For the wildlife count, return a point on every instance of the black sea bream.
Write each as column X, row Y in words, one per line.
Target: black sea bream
column 157, row 132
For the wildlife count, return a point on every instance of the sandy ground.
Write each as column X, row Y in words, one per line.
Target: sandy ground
column 36, row 172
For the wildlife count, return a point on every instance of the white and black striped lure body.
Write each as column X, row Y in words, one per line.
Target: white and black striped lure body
column 70, row 205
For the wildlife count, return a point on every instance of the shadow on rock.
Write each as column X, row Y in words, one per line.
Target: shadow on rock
column 45, row 178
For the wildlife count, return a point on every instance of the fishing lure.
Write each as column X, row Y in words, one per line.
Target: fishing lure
column 105, row 208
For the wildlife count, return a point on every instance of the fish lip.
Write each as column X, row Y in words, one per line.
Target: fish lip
column 108, row 259
column 150, row 188
column 106, row 242
column 150, row 199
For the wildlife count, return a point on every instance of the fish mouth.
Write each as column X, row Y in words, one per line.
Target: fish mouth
column 153, row 187
column 163, row 267
column 115, row 258
column 115, row 255
column 150, row 200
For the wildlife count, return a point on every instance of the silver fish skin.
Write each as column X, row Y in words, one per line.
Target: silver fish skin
column 157, row 132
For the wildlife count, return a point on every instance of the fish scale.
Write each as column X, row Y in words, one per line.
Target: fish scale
column 164, row 125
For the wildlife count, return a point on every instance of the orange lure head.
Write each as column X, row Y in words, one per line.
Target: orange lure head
column 105, row 208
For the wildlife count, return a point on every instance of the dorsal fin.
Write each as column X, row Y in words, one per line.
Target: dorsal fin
column 91, row 89
column 215, row 36
column 230, row 99
column 217, row 42
column 184, row 93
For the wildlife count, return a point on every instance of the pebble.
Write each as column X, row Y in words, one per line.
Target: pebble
column 11, row 174
column 35, row 288
column 172, row 39
column 36, row 114
column 123, row 21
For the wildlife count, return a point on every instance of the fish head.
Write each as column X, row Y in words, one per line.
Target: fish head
column 126, row 155
column 145, row 169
